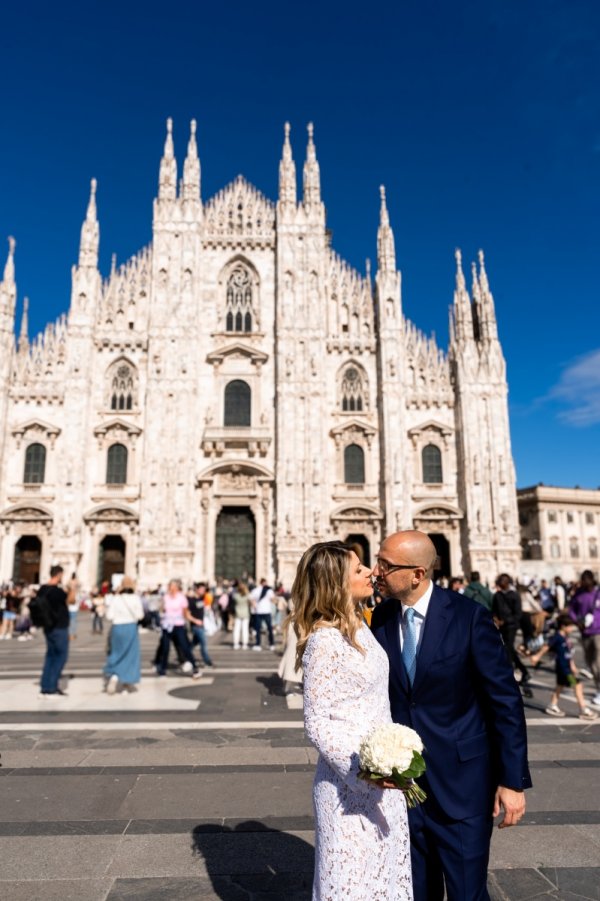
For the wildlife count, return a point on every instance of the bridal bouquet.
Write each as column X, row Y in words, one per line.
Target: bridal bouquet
column 394, row 752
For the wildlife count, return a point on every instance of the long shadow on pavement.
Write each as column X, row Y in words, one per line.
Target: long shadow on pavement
column 251, row 860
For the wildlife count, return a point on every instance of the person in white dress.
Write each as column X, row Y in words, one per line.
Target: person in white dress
column 362, row 847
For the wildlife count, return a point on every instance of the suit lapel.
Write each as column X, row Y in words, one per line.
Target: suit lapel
column 434, row 627
column 392, row 634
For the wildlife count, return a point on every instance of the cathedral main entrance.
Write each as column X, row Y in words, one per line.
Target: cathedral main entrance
column 111, row 557
column 360, row 546
column 28, row 556
column 442, row 547
column 235, row 544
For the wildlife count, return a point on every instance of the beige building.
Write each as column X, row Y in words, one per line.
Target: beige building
column 560, row 531
column 236, row 392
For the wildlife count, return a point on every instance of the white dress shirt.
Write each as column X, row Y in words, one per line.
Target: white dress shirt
column 420, row 609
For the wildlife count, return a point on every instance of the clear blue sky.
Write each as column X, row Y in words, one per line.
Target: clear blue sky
column 481, row 118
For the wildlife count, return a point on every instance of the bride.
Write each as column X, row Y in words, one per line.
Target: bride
column 362, row 849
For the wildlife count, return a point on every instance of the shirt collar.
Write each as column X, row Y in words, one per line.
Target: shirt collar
column 422, row 604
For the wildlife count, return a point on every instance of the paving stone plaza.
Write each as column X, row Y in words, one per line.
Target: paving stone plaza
column 202, row 790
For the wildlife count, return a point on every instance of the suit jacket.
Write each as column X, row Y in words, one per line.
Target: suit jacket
column 464, row 702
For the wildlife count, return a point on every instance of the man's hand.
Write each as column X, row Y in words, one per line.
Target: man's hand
column 513, row 804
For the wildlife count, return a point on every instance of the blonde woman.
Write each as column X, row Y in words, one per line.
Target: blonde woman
column 362, row 850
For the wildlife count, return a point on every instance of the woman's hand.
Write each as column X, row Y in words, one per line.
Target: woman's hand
column 382, row 783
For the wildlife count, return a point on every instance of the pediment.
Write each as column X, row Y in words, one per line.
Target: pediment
column 353, row 426
column 44, row 429
column 441, row 510
column 237, row 349
column 117, row 425
column 356, row 512
column 26, row 514
column 110, row 514
column 432, row 425
column 239, row 210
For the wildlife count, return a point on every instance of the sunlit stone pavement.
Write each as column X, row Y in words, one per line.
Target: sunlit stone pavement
column 202, row 789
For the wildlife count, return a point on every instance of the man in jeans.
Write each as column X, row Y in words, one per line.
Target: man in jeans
column 57, row 636
column 196, row 620
column 261, row 599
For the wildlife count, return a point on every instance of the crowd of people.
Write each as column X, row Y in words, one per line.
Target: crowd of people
column 183, row 619
column 532, row 619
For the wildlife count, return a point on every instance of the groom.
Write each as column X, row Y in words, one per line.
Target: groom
column 451, row 682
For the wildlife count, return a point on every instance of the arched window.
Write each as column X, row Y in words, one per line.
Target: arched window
column 593, row 550
column 353, row 391
column 239, row 310
column 35, row 464
column 237, row 403
column 116, row 465
column 432, row 464
column 354, row 464
column 122, row 378
column 574, row 548
column 554, row 548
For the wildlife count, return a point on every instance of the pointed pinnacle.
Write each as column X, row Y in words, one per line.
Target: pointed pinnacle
column 460, row 277
column 169, row 139
column 9, row 268
column 383, row 214
column 482, row 273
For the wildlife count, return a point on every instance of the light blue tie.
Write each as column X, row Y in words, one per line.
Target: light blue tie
column 409, row 645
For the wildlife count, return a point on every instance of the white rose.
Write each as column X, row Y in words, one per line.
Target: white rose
column 389, row 747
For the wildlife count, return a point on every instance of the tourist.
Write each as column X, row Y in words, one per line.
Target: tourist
column 565, row 669
column 506, row 609
column 196, row 619
column 584, row 609
column 261, row 600
column 361, row 831
column 124, row 611
column 450, row 681
column 174, row 616
column 57, row 634
column 478, row 592
column 241, row 612
column 12, row 606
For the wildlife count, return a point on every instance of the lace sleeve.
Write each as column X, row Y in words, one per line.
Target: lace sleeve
column 330, row 688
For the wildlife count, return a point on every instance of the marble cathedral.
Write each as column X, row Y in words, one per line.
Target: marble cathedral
column 236, row 392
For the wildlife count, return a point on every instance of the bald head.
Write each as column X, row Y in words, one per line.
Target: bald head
column 413, row 547
column 405, row 565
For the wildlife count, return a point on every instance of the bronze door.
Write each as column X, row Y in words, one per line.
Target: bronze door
column 235, row 544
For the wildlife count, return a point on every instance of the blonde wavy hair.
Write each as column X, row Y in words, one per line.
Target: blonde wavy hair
column 321, row 594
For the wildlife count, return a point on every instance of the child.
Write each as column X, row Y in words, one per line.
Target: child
column 566, row 671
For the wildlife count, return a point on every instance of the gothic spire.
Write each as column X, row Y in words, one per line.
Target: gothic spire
column 287, row 171
column 191, row 167
column 386, row 251
column 463, row 319
column 24, row 334
column 311, row 175
column 167, row 180
column 487, row 312
column 9, row 268
column 90, row 232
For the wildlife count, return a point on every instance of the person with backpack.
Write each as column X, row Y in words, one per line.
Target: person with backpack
column 52, row 608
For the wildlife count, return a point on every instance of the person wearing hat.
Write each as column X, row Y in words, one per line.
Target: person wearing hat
column 124, row 611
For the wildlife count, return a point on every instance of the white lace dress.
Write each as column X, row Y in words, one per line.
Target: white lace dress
column 362, row 848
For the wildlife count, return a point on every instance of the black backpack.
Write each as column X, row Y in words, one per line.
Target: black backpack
column 40, row 610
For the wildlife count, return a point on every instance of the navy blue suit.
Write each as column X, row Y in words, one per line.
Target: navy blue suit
column 467, row 708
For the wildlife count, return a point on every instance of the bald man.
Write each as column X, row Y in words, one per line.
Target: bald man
column 450, row 681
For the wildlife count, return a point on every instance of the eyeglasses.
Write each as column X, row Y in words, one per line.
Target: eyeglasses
column 386, row 568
